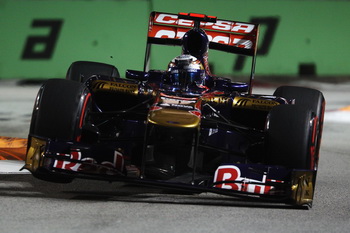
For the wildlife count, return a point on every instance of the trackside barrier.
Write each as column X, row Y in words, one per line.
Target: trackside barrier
column 39, row 39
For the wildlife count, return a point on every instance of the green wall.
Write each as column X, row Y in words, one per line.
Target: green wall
column 309, row 32
column 106, row 31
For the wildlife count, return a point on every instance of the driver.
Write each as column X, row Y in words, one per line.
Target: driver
column 186, row 71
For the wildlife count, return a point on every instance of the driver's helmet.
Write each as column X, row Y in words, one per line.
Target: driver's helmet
column 186, row 70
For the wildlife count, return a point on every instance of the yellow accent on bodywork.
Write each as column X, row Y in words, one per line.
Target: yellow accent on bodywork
column 303, row 187
column 35, row 154
column 253, row 103
column 173, row 118
column 102, row 85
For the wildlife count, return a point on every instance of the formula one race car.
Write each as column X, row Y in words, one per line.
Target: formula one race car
column 181, row 128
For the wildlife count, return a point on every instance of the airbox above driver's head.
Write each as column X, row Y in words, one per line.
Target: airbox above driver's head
column 195, row 42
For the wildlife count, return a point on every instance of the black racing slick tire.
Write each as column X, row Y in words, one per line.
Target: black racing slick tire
column 80, row 71
column 289, row 133
column 303, row 96
column 314, row 101
column 59, row 113
column 60, row 110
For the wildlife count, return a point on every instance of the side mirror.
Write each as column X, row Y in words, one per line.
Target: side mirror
column 240, row 87
column 226, row 84
column 136, row 75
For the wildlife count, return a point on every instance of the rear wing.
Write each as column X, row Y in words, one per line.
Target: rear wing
column 225, row 35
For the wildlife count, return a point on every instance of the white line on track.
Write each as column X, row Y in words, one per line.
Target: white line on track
column 12, row 167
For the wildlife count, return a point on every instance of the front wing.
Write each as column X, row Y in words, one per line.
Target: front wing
column 274, row 183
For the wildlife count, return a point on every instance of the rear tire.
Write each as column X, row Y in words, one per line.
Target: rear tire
column 80, row 71
column 312, row 98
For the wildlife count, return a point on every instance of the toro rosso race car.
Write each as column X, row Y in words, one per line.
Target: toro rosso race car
column 181, row 128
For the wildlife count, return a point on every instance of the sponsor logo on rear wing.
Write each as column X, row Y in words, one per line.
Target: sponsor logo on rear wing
column 224, row 35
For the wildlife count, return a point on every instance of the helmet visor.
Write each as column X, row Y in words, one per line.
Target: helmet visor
column 183, row 78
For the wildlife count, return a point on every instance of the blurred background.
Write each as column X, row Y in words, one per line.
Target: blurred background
column 41, row 38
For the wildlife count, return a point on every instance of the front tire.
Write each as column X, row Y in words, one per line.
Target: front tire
column 289, row 133
column 59, row 113
column 315, row 102
column 60, row 110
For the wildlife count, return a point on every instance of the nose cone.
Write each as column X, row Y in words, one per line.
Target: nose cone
column 174, row 111
column 174, row 118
